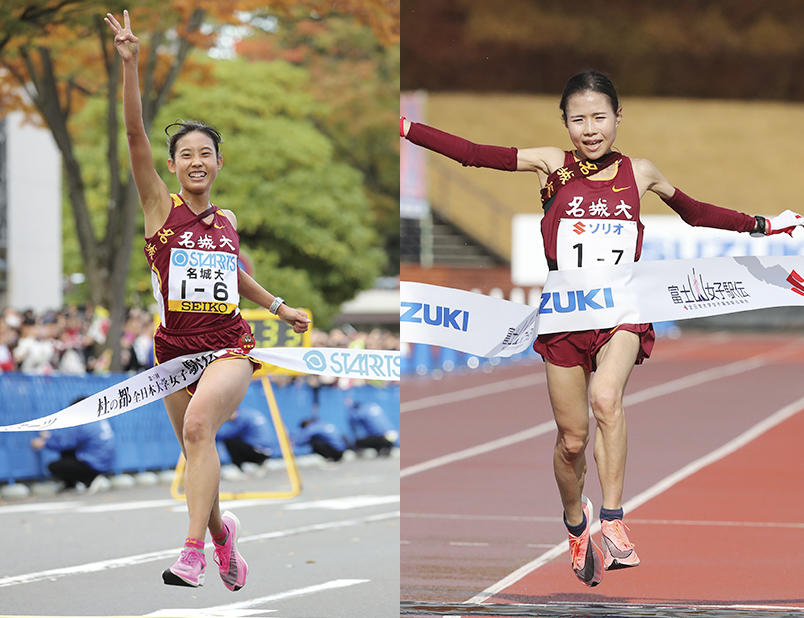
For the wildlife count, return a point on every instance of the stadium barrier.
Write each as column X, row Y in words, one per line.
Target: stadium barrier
column 144, row 438
column 419, row 359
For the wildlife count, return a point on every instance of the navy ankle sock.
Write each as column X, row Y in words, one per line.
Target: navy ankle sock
column 610, row 514
column 576, row 530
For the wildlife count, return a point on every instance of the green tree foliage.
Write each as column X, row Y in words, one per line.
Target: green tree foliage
column 355, row 77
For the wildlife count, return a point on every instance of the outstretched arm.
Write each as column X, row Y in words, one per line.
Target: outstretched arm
column 481, row 155
column 691, row 210
column 154, row 194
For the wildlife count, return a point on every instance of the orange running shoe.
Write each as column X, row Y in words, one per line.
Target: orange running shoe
column 618, row 551
column 586, row 557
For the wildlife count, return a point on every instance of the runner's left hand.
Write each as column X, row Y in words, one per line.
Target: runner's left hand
column 295, row 317
column 785, row 222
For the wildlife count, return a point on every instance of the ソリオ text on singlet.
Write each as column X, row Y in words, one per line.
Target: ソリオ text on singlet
column 591, row 222
column 194, row 269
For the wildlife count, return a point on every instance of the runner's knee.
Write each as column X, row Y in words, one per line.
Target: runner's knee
column 571, row 445
column 607, row 404
column 196, row 430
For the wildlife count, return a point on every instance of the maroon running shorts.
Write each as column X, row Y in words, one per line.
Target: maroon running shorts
column 581, row 347
column 169, row 344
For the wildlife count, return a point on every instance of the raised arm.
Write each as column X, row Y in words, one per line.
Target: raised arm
column 154, row 194
column 468, row 153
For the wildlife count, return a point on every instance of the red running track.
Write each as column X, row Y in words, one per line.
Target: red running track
column 728, row 533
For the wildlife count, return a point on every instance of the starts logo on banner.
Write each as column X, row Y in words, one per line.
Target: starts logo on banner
column 698, row 293
column 366, row 365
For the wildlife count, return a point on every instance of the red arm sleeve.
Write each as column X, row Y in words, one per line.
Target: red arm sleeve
column 702, row 214
column 461, row 150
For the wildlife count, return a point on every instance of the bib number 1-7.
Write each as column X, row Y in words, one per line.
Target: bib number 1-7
column 595, row 242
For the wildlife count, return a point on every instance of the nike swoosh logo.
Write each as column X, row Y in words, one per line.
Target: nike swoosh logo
column 616, row 551
column 618, row 189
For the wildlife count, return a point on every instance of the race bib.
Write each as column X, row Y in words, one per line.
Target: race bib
column 595, row 242
column 202, row 281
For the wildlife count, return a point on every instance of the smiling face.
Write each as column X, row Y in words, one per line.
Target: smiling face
column 592, row 123
column 195, row 162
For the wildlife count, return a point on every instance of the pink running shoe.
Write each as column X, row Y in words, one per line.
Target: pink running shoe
column 232, row 567
column 587, row 560
column 188, row 570
column 618, row 551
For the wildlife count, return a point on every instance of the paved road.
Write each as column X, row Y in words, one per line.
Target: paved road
column 331, row 552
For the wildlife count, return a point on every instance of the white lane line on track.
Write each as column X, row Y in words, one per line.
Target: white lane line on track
column 352, row 502
column 663, row 485
column 232, row 609
column 125, row 506
column 673, row 386
column 181, row 507
column 127, row 561
column 42, row 506
column 696, row 379
column 716, row 523
column 341, row 504
column 480, row 449
column 472, row 392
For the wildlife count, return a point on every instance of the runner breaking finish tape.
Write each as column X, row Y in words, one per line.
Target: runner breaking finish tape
column 178, row 373
column 598, row 298
column 590, row 187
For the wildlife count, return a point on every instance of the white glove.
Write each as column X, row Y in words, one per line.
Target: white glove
column 785, row 222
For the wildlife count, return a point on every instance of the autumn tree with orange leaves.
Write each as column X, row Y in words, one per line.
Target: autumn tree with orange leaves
column 59, row 53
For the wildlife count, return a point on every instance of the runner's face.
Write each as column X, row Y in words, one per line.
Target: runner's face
column 592, row 123
column 195, row 163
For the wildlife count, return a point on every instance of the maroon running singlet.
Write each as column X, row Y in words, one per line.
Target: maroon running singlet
column 588, row 223
column 194, row 272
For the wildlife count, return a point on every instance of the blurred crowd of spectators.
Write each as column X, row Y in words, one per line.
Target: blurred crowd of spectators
column 72, row 341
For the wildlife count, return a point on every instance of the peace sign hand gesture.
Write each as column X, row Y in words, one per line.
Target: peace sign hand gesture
column 126, row 44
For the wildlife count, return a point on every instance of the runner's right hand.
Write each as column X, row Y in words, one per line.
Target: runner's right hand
column 126, row 44
column 295, row 317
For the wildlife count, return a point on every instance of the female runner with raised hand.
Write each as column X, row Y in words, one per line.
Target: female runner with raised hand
column 192, row 248
column 588, row 184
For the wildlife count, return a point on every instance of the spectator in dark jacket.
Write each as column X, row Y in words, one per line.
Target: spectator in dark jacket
column 323, row 437
column 247, row 436
column 86, row 452
column 371, row 428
